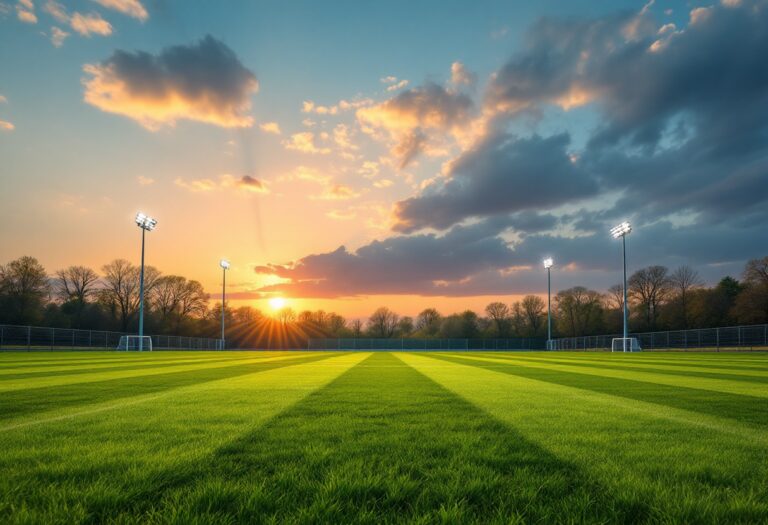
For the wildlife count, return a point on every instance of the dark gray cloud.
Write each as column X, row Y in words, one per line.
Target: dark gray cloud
column 501, row 175
column 475, row 260
column 204, row 81
column 681, row 148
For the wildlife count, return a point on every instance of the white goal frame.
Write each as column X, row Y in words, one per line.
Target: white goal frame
column 625, row 344
column 135, row 343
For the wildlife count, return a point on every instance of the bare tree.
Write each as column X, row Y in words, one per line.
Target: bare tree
column 286, row 315
column 533, row 309
column 357, row 327
column 383, row 322
column 121, row 288
column 615, row 297
column 74, row 286
column 682, row 281
column 751, row 305
column 499, row 313
column 24, row 288
column 76, row 283
column 650, row 287
column 405, row 325
column 428, row 322
column 579, row 310
column 335, row 323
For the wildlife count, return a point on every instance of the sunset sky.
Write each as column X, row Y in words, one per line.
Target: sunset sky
column 347, row 155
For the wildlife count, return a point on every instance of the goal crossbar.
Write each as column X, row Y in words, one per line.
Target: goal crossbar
column 135, row 343
column 625, row 344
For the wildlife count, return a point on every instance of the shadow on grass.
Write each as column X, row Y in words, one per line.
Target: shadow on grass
column 381, row 443
column 742, row 408
column 29, row 401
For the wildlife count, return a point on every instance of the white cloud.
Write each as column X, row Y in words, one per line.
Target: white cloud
column 144, row 181
column 397, row 85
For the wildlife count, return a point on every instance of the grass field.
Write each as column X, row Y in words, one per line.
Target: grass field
column 272, row 437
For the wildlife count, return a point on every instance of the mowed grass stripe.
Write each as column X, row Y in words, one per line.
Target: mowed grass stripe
column 25, row 402
column 745, row 409
column 685, row 471
column 619, row 364
column 384, row 444
column 735, row 361
column 111, row 367
column 8, row 385
column 15, row 360
column 58, row 473
column 738, row 387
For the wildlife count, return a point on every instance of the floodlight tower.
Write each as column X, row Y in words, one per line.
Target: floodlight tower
column 548, row 263
column 224, row 267
column 147, row 224
column 621, row 231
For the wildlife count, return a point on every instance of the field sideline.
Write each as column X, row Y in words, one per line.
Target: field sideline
column 376, row 437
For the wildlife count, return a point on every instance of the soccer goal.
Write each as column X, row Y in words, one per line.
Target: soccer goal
column 135, row 343
column 625, row 344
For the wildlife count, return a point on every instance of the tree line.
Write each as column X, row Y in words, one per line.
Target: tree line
column 659, row 299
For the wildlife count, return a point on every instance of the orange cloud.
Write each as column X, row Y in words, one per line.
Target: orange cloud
column 270, row 127
column 305, row 143
column 226, row 181
column 132, row 8
column 159, row 90
column 25, row 11
column 90, row 24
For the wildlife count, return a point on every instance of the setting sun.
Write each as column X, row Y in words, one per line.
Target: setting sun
column 277, row 303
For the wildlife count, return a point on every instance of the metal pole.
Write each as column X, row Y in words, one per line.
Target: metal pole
column 624, row 257
column 223, row 303
column 141, row 294
column 549, row 306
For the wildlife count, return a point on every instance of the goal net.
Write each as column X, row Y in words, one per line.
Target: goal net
column 625, row 344
column 135, row 343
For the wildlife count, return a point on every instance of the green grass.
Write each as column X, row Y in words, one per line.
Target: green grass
column 448, row 437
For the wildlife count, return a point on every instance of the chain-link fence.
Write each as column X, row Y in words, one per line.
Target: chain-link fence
column 416, row 344
column 753, row 337
column 43, row 338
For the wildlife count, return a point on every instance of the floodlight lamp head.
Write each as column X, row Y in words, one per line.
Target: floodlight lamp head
column 548, row 263
column 145, row 222
column 621, row 230
column 224, row 264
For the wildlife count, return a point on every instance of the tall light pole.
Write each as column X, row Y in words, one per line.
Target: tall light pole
column 147, row 224
column 224, row 266
column 621, row 231
column 548, row 263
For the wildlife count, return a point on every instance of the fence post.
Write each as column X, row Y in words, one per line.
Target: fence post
column 73, row 339
column 739, row 337
column 53, row 338
column 29, row 337
column 717, row 338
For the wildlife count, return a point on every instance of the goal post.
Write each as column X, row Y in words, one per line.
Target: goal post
column 135, row 343
column 625, row 344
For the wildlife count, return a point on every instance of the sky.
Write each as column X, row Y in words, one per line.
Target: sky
column 348, row 155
